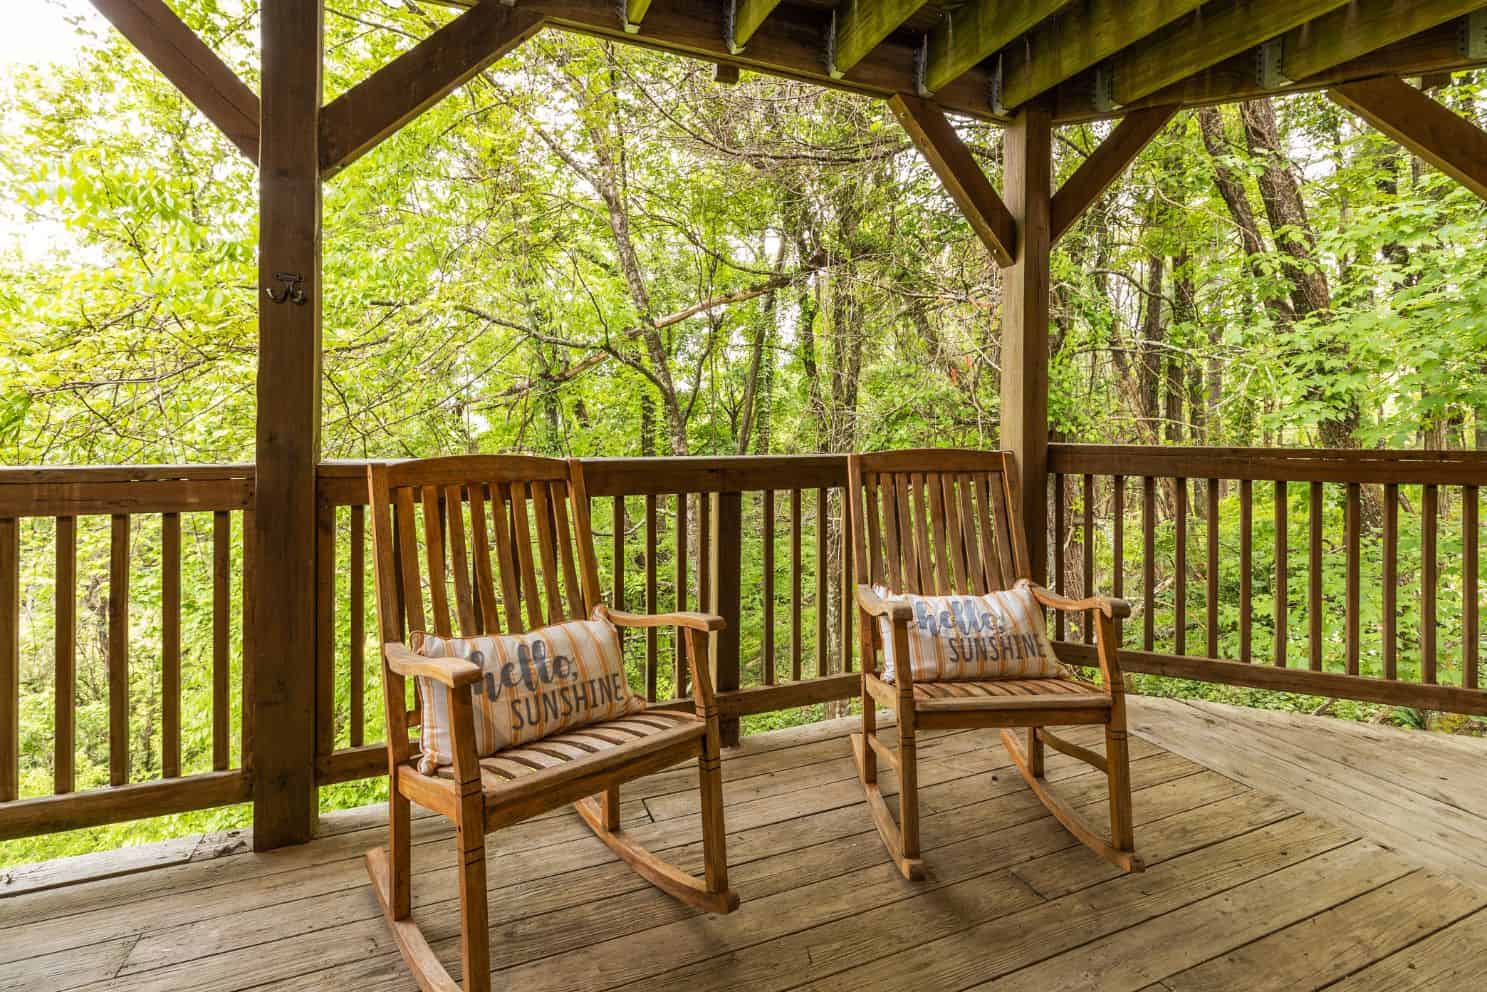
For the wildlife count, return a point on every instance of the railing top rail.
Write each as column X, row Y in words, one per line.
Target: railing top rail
column 1272, row 464
column 34, row 475
column 91, row 490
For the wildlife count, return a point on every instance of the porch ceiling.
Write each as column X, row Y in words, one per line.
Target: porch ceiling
column 1085, row 60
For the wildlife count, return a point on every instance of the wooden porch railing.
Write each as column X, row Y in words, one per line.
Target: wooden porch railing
column 85, row 534
column 1233, row 610
column 1397, row 530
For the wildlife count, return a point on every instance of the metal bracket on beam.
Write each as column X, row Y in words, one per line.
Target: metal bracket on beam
column 1270, row 71
column 1104, row 94
column 831, row 69
column 995, row 96
column 624, row 18
column 1471, row 35
column 921, row 64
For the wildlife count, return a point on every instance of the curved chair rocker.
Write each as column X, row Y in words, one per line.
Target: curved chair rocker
column 478, row 515
column 940, row 522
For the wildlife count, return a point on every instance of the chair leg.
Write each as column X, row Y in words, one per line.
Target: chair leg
column 399, row 826
column 714, row 833
column 908, row 786
column 1118, row 771
column 1034, row 752
column 868, row 762
column 612, row 808
column 474, row 915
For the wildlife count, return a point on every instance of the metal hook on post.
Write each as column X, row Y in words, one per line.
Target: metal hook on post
column 293, row 291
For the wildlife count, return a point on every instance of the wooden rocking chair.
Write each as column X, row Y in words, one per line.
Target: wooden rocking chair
column 479, row 515
column 938, row 522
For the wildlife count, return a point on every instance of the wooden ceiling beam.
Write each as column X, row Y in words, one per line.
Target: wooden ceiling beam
column 859, row 26
column 1435, row 50
column 378, row 106
column 1081, row 36
column 1360, row 28
column 786, row 44
column 153, row 28
column 1201, row 39
column 969, row 34
column 1106, row 164
column 963, row 179
column 1435, row 133
column 745, row 17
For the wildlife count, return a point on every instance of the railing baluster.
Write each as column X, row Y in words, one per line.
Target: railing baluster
column 727, row 588
column 650, row 596
column 1118, row 549
column 1089, row 554
column 250, row 665
column 1059, row 532
column 1429, row 574
column 325, row 627
column 1354, row 579
column 65, row 642
column 118, row 651
column 1281, row 583
column 1180, row 582
column 359, row 622
column 10, row 659
column 704, row 550
column 680, row 674
column 796, row 646
column 1246, row 567
column 1314, row 577
column 170, row 647
column 766, row 644
column 221, row 630
column 1470, row 603
column 844, row 573
column 823, row 609
column 1149, row 561
column 617, row 577
column 1211, row 491
column 1390, row 606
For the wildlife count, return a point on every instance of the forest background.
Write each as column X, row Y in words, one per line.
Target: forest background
column 600, row 251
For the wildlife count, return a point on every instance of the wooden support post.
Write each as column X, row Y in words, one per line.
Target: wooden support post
column 283, row 538
column 1028, row 187
column 726, row 599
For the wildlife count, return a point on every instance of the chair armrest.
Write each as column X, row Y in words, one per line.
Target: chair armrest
column 707, row 622
column 1108, row 605
column 876, row 606
column 453, row 672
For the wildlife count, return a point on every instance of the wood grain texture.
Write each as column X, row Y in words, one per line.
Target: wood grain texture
column 1105, row 165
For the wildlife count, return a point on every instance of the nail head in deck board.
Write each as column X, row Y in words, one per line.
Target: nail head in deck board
column 282, row 545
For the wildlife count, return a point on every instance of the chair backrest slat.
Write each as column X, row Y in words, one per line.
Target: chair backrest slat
column 565, row 552
column 485, row 582
column 459, row 559
column 481, row 544
column 935, row 522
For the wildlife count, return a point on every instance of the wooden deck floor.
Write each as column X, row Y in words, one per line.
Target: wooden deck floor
column 1251, row 885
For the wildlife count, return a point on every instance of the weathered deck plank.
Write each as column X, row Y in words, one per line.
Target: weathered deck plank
column 1258, row 878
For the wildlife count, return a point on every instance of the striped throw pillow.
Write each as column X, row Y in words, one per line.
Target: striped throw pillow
column 536, row 684
column 997, row 636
